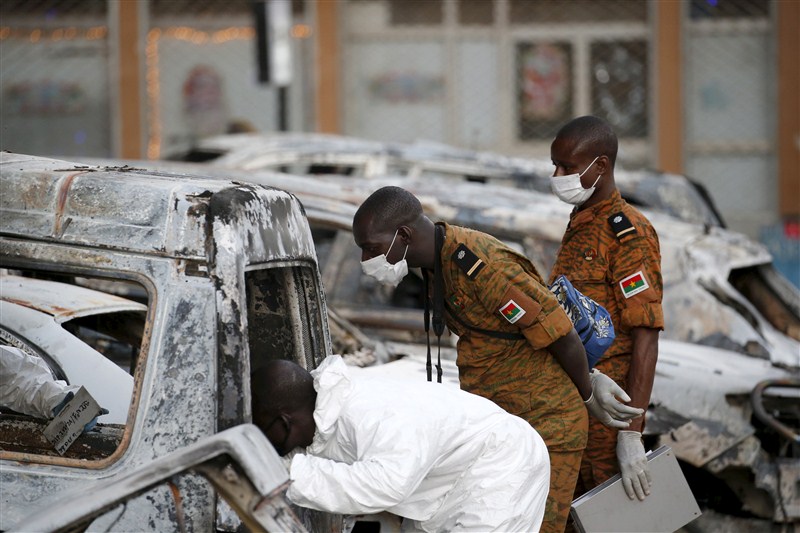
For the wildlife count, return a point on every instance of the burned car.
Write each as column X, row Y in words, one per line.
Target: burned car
column 227, row 277
column 317, row 154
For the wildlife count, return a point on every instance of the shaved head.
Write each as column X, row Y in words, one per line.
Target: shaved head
column 283, row 404
column 388, row 208
column 591, row 134
column 282, row 386
column 390, row 214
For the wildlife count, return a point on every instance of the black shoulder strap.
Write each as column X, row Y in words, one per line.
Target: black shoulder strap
column 438, row 283
column 426, row 297
column 437, row 304
column 620, row 225
column 467, row 261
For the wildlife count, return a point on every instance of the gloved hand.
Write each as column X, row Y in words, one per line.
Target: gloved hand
column 633, row 466
column 603, row 404
column 89, row 425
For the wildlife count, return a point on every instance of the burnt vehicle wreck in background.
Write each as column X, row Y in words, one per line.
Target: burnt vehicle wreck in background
column 335, row 155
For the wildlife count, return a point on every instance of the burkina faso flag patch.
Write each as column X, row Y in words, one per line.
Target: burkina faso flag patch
column 512, row 311
column 634, row 284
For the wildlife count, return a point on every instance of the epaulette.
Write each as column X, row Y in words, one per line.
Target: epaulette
column 620, row 225
column 467, row 261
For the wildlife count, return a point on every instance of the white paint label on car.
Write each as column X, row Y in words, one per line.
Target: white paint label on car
column 69, row 423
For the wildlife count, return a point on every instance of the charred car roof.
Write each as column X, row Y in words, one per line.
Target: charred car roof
column 66, row 202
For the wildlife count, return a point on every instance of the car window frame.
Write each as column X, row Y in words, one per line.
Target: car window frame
column 31, row 263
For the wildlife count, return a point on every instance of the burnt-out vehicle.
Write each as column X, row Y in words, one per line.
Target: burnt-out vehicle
column 328, row 155
column 226, row 277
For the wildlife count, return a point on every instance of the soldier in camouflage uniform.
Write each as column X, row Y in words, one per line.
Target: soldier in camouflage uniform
column 516, row 345
column 610, row 252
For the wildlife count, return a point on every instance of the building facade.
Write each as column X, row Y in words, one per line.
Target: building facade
column 708, row 88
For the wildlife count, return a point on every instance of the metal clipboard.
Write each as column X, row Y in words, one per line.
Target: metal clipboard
column 669, row 506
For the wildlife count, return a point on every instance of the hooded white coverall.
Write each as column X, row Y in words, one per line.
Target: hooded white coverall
column 444, row 459
column 27, row 386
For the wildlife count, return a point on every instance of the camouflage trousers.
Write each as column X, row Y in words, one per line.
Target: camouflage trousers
column 564, row 468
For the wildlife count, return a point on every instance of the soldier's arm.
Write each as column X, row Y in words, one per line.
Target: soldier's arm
column 638, row 289
column 570, row 354
column 642, row 370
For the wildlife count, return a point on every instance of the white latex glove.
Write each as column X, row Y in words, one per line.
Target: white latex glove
column 603, row 403
column 633, row 466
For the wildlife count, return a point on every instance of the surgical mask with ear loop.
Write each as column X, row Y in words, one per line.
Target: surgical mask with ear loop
column 385, row 272
column 569, row 188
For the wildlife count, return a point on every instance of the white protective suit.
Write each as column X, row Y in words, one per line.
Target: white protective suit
column 27, row 386
column 441, row 457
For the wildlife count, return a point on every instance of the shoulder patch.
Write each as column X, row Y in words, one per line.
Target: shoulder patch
column 634, row 284
column 467, row 261
column 620, row 225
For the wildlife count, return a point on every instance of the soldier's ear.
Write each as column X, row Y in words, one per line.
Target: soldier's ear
column 405, row 234
column 603, row 164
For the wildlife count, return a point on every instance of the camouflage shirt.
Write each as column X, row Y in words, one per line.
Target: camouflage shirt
column 610, row 252
column 490, row 286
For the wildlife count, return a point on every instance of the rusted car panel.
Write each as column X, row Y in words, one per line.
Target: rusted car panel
column 672, row 194
column 317, row 153
column 166, row 215
column 62, row 302
column 204, row 250
column 239, row 462
column 700, row 384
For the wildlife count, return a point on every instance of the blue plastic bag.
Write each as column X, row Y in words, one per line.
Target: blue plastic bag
column 590, row 319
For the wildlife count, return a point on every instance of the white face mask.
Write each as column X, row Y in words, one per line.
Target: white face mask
column 569, row 188
column 379, row 268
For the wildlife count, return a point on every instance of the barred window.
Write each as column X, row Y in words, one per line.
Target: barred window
column 619, row 85
column 561, row 11
column 728, row 9
column 476, row 12
column 405, row 13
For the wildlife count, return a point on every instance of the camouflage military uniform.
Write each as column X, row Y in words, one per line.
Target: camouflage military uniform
column 610, row 252
column 490, row 286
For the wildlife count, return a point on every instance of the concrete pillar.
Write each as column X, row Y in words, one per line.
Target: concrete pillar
column 669, row 86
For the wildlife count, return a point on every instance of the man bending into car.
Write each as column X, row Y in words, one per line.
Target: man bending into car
column 442, row 458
